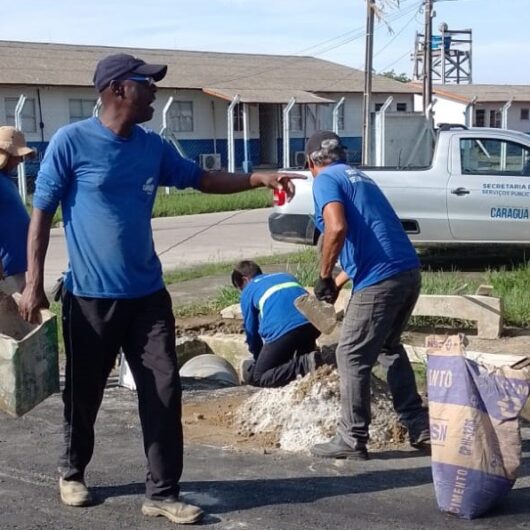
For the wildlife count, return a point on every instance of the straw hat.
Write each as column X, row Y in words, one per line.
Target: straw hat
column 12, row 143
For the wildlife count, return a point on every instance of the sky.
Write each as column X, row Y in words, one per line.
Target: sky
column 334, row 31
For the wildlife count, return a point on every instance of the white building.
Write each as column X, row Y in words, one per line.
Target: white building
column 57, row 82
column 481, row 105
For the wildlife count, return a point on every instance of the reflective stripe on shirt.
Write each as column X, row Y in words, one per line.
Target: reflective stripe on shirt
column 271, row 290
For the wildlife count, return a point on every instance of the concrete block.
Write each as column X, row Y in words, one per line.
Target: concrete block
column 485, row 310
column 29, row 362
column 231, row 347
column 484, row 290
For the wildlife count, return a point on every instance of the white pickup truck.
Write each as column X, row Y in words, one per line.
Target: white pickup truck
column 476, row 191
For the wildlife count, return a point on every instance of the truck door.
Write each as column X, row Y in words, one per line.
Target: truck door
column 488, row 197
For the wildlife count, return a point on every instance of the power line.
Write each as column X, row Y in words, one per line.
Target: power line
column 352, row 36
column 414, row 16
column 408, row 52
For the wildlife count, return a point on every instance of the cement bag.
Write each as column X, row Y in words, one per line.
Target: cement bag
column 476, row 442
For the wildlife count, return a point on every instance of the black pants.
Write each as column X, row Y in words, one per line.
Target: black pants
column 281, row 361
column 94, row 330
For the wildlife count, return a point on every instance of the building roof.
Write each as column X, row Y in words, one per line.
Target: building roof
column 484, row 93
column 24, row 63
column 280, row 95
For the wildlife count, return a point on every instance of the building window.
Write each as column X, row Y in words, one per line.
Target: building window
column 401, row 107
column 81, row 109
column 378, row 106
column 495, row 119
column 296, row 117
column 525, row 114
column 238, row 117
column 480, row 118
column 181, row 116
column 28, row 118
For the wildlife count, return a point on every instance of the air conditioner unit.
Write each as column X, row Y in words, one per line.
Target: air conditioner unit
column 299, row 159
column 210, row 161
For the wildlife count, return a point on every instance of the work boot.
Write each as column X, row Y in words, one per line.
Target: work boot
column 176, row 511
column 322, row 357
column 421, row 440
column 246, row 368
column 74, row 493
column 338, row 448
column 326, row 355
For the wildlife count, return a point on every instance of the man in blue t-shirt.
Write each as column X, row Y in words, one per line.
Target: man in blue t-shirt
column 105, row 171
column 14, row 218
column 361, row 229
column 281, row 340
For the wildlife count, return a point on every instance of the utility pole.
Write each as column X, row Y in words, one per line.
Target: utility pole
column 427, row 56
column 367, row 95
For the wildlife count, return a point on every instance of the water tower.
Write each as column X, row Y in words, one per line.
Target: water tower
column 451, row 56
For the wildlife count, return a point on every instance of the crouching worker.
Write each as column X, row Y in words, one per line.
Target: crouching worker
column 281, row 339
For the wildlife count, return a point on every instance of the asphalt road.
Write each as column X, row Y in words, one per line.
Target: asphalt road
column 277, row 491
column 192, row 239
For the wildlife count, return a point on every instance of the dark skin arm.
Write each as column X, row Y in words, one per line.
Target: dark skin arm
column 224, row 182
column 334, row 235
column 33, row 298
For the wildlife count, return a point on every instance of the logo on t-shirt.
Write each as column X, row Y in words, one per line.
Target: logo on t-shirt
column 355, row 175
column 149, row 186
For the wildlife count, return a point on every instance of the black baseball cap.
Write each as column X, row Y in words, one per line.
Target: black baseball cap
column 120, row 65
column 315, row 141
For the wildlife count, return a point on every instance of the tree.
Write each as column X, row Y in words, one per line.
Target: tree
column 403, row 78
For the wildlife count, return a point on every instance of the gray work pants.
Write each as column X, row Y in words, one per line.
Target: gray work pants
column 373, row 323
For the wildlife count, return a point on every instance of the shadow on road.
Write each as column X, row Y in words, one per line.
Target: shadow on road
column 236, row 495
column 247, row 494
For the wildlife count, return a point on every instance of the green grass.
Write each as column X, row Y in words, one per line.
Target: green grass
column 510, row 285
column 225, row 296
column 189, row 202
column 293, row 261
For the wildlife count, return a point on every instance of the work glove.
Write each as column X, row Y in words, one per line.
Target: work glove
column 326, row 290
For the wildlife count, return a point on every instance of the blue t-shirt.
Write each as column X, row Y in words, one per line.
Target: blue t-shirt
column 267, row 305
column 106, row 185
column 14, row 223
column 376, row 246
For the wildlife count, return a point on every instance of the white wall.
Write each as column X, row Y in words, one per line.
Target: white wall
column 204, row 124
column 450, row 111
column 54, row 105
column 353, row 112
column 55, row 111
